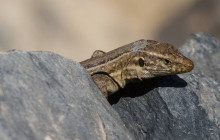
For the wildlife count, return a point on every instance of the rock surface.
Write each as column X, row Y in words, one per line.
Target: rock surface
column 205, row 52
column 44, row 96
column 186, row 106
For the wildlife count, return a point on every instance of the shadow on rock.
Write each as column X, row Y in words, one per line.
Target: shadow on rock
column 141, row 88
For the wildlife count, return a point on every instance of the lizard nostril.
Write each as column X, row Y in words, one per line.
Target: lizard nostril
column 166, row 62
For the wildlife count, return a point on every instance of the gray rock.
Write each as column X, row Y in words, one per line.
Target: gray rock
column 186, row 106
column 205, row 52
column 44, row 96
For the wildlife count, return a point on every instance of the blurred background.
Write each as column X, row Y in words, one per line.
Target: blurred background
column 76, row 28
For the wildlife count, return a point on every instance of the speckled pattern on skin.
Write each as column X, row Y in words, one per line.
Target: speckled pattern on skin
column 141, row 59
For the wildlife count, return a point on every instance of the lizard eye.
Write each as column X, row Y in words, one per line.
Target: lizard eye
column 166, row 62
column 141, row 62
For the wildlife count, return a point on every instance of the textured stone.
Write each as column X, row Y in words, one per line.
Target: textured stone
column 205, row 52
column 186, row 106
column 44, row 96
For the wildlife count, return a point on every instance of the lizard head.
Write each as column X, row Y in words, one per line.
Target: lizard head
column 157, row 59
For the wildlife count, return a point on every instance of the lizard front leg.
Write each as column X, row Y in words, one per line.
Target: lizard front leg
column 106, row 84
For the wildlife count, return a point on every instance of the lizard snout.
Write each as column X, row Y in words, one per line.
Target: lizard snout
column 188, row 65
column 183, row 65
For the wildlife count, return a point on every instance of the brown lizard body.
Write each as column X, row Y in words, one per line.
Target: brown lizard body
column 141, row 59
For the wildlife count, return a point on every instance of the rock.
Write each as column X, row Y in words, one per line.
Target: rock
column 46, row 96
column 205, row 52
column 186, row 106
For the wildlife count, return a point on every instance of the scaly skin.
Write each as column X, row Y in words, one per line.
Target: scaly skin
column 141, row 59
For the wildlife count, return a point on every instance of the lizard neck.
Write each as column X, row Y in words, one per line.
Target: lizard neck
column 112, row 63
column 113, row 67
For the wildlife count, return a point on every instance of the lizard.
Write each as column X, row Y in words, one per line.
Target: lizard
column 142, row 59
